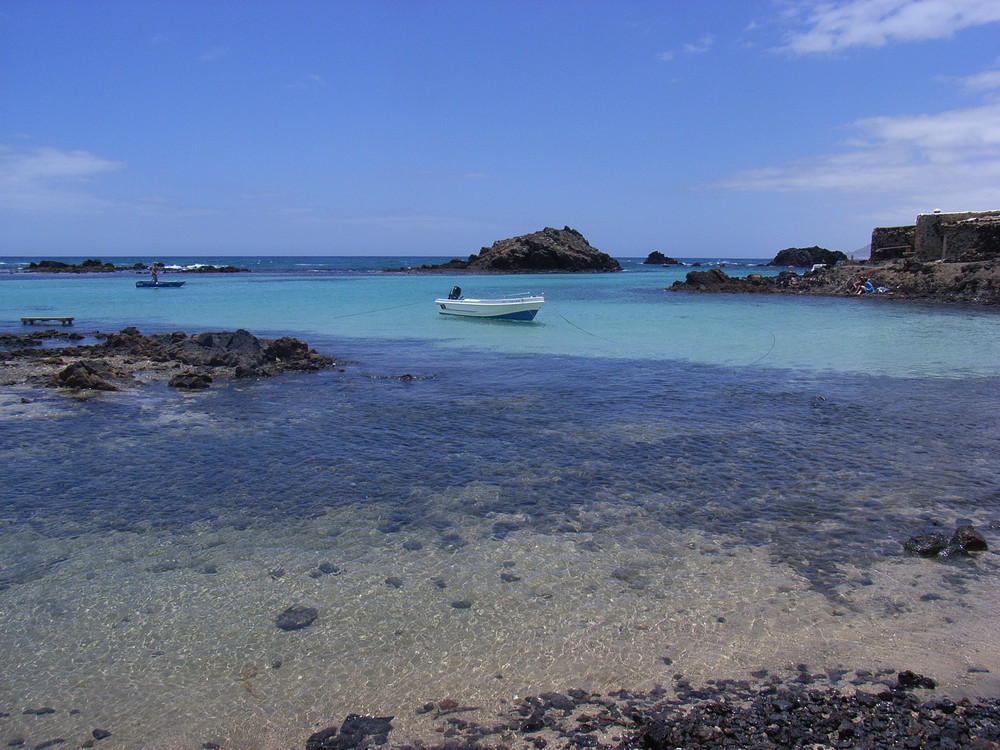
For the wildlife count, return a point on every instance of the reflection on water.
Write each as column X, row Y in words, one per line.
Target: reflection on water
column 505, row 526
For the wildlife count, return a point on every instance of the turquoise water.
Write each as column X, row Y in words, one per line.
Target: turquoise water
column 626, row 315
column 639, row 484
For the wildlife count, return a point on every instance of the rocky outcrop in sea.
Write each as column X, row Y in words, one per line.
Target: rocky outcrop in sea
column 550, row 250
column 656, row 258
column 806, row 257
column 98, row 266
column 189, row 362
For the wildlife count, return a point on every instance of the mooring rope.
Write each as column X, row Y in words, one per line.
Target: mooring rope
column 578, row 327
column 762, row 356
column 379, row 309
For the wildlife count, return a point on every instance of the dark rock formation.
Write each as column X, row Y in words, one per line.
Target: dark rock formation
column 907, row 680
column 967, row 539
column 219, row 349
column 353, row 732
column 714, row 279
column 964, row 541
column 724, row 713
column 88, row 266
column 91, row 375
column 216, row 269
column 296, row 618
column 191, row 381
column 112, row 363
column 656, row 258
column 804, row 257
column 926, row 545
column 550, row 250
column 962, row 283
column 99, row 266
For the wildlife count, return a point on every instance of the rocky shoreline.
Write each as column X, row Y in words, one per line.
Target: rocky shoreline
column 829, row 709
column 128, row 359
column 975, row 282
column 800, row 707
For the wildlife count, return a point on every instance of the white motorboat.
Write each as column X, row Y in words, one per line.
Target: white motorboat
column 521, row 307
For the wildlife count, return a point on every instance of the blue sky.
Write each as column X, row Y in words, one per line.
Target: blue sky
column 695, row 127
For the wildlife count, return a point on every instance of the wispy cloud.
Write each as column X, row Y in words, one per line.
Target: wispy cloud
column 837, row 25
column 986, row 81
column 701, row 46
column 949, row 157
column 52, row 180
column 694, row 48
column 308, row 81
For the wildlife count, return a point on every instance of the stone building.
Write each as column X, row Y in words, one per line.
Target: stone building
column 965, row 236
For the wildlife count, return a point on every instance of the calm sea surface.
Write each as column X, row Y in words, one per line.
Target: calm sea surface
column 639, row 484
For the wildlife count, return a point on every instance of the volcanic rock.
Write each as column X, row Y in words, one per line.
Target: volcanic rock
column 967, row 539
column 86, row 375
column 192, row 381
column 926, row 545
column 550, row 250
column 353, row 732
column 296, row 618
column 805, row 257
column 656, row 258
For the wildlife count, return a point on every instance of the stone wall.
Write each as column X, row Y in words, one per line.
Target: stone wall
column 941, row 236
column 967, row 235
column 976, row 238
column 892, row 242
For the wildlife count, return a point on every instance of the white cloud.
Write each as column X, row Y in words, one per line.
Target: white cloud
column 51, row 180
column 702, row 45
column 986, row 81
column 837, row 25
column 950, row 158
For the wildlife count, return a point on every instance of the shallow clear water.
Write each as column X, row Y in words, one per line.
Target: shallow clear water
column 642, row 484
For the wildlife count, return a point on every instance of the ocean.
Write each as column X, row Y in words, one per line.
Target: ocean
column 638, row 484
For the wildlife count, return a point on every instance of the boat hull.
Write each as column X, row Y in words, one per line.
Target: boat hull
column 159, row 284
column 520, row 308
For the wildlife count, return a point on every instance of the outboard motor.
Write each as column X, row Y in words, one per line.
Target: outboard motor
column 455, row 293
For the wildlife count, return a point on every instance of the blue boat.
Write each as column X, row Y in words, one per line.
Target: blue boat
column 159, row 284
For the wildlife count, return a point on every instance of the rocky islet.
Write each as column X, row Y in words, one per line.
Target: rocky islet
column 191, row 362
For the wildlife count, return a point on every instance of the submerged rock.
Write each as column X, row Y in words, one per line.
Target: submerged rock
column 354, row 731
column 964, row 540
column 967, row 539
column 926, row 545
column 191, row 381
column 296, row 618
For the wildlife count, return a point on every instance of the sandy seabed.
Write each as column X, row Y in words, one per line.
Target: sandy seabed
column 169, row 640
